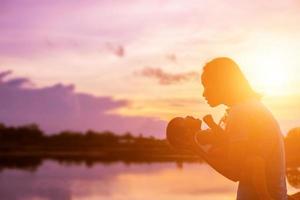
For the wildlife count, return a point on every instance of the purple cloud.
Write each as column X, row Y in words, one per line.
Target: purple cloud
column 165, row 78
column 118, row 50
column 59, row 107
column 5, row 73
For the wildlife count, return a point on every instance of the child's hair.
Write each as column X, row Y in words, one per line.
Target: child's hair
column 227, row 74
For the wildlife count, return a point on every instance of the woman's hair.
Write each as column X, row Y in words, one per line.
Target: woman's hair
column 227, row 75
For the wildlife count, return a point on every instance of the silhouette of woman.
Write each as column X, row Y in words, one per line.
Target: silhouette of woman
column 250, row 146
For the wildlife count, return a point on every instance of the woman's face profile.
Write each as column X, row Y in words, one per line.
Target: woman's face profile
column 212, row 93
column 224, row 83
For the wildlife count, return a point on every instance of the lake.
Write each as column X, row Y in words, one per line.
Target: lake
column 117, row 181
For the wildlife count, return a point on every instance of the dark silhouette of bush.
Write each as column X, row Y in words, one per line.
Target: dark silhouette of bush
column 292, row 141
column 292, row 146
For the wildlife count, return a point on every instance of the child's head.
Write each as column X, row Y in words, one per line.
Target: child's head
column 180, row 129
column 175, row 129
column 224, row 83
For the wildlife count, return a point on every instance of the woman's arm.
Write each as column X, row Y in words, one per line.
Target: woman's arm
column 253, row 169
column 218, row 158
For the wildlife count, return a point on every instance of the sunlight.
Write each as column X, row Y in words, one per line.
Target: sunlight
column 272, row 72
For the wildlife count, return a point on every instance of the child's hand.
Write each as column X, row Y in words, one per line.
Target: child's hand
column 193, row 123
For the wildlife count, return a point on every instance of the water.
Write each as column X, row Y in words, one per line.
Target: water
column 116, row 181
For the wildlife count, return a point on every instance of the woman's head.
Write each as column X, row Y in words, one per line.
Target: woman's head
column 224, row 83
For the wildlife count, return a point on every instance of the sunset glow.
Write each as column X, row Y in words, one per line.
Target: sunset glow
column 273, row 69
column 150, row 54
column 149, row 99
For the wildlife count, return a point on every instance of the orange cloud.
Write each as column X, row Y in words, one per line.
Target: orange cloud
column 165, row 78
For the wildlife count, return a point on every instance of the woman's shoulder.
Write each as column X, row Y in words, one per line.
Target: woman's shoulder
column 252, row 110
column 249, row 106
column 254, row 114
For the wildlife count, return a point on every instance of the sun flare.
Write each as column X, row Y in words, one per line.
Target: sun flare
column 271, row 72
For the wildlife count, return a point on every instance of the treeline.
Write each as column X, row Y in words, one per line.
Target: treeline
column 30, row 139
column 22, row 137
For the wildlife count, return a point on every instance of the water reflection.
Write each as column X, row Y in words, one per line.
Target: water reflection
column 32, row 163
column 114, row 180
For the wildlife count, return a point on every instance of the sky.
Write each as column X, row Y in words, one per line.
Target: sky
column 132, row 65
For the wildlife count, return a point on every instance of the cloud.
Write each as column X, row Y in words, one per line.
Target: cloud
column 60, row 107
column 4, row 73
column 171, row 57
column 23, row 33
column 165, row 78
column 117, row 50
